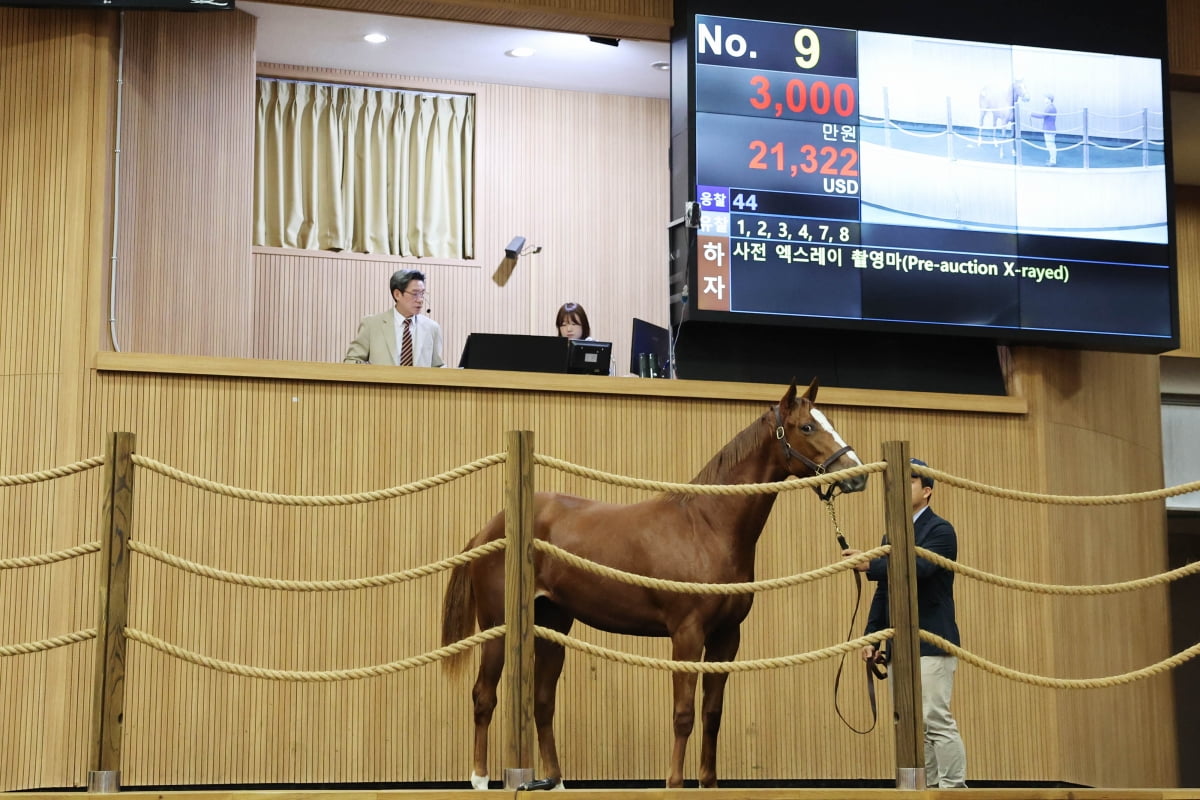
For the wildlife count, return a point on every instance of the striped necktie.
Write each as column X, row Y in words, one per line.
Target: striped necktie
column 406, row 354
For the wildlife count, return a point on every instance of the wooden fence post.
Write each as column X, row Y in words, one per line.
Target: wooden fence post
column 108, row 702
column 518, row 602
column 905, row 667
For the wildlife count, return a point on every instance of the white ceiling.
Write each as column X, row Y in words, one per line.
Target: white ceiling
column 464, row 51
column 457, row 50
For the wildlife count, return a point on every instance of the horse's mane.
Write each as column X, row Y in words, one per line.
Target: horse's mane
column 718, row 467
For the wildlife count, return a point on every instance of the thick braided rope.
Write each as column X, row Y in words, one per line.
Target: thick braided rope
column 47, row 644
column 709, row 488
column 49, row 558
column 1063, row 683
column 316, row 586
column 1049, row 588
column 52, row 473
column 312, row 676
column 318, row 500
column 712, row 666
column 685, row 587
column 1057, row 499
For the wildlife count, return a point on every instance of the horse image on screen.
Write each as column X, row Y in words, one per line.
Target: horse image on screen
column 693, row 538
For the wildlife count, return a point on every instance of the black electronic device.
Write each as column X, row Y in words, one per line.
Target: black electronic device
column 515, row 352
column 585, row 357
column 925, row 167
column 650, row 351
column 145, row 5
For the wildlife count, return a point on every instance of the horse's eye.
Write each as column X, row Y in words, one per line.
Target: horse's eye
column 808, row 427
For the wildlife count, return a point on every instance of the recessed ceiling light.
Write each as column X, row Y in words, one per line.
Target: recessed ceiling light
column 375, row 38
column 519, row 52
column 660, row 65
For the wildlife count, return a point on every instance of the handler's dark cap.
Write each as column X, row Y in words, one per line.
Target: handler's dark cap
column 925, row 479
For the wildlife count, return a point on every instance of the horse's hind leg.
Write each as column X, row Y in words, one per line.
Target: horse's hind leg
column 722, row 645
column 491, row 665
column 547, row 666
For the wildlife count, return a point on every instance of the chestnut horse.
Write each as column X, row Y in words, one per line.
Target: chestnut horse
column 1000, row 104
column 695, row 538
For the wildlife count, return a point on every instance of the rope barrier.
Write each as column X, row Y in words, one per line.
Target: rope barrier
column 303, row 676
column 709, row 488
column 1049, row 588
column 1063, row 683
column 317, row 500
column 687, row 587
column 705, row 667
column 51, row 474
column 47, row 644
column 49, row 558
column 1056, row 499
column 281, row 584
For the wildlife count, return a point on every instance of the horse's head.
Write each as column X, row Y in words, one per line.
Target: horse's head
column 1019, row 91
column 809, row 442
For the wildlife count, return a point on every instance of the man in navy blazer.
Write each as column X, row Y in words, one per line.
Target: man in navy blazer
column 945, row 757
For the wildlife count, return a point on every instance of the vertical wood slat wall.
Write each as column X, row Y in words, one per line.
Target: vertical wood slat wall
column 582, row 175
column 333, row 438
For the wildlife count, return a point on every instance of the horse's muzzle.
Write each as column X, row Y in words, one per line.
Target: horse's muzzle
column 855, row 484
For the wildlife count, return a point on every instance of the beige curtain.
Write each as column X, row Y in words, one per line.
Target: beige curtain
column 365, row 170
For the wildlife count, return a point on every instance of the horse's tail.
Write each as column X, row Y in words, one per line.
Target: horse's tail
column 458, row 615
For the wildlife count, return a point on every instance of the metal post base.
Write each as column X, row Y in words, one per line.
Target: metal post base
column 910, row 777
column 106, row 781
column 515, row 776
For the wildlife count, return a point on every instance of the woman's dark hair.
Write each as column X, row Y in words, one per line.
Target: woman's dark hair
column 573, row 312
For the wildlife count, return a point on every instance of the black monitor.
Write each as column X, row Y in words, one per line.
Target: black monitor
column 650, row 340
column 515, row 352
column 588, row 358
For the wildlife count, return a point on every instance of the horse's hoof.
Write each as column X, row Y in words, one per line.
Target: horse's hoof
column 559, row 786
column 479, row 781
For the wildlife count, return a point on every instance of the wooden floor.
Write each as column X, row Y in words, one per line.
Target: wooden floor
column 661, row 794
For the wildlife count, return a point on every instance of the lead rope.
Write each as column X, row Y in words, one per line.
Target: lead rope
column 873, row 669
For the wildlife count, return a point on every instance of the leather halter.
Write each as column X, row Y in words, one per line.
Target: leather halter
column 790, row 452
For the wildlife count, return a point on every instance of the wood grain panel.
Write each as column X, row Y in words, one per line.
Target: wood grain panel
column 1187, row 231
column 538, row 175
column 183, row 281
column 56, row 83
column 1183, row 48
column 635, row 19
column 1090, row 426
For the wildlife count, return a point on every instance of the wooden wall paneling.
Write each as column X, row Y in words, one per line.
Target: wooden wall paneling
column 1097, row 444
column 183, row 269
column 1183, row 19
column 1187, row 230
column 56, row 85
column 635, row 19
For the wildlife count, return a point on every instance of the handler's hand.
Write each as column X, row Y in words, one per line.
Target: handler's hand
column 868, row 653
column 850, row 553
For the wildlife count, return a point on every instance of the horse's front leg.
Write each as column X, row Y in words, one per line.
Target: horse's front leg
column 722, row 645
column 687, row 645
column 491, row 665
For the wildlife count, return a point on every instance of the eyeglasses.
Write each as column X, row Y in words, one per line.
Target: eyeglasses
column 417, row 295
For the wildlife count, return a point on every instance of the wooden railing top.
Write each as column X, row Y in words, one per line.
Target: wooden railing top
column 541, row 382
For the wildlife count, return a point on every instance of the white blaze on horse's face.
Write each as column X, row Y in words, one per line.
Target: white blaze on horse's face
column 837, row 437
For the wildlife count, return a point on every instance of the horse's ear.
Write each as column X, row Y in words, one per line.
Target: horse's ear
column 789, row 397
column 811, row 393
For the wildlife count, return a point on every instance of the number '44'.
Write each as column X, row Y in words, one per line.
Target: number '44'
column 743, row 201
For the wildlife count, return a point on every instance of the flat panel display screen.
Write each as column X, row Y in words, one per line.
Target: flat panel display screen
column 869, row 178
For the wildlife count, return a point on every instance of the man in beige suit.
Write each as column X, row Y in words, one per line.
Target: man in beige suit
column 400, row 336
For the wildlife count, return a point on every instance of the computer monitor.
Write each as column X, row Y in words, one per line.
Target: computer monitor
column 650, row 340
column 588, row 358
column 515, row 352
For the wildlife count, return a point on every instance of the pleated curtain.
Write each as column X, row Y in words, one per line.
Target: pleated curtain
column 360, row 169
